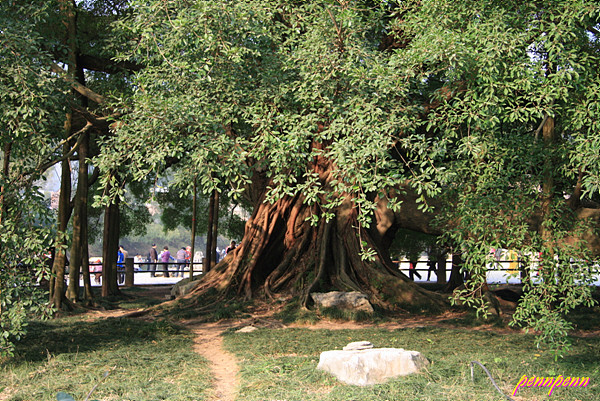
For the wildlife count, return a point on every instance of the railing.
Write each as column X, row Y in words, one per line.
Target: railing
column 130, row 268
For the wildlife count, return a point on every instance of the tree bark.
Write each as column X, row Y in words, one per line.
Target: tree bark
column 215, row 228
column 5, row 177
column 60, row 258
column 193, row 234
column 85, row 264
column 207, row 265
column 110, row 248
column 549, row 136
column 80, row 225
column 282, row 253
column 456, row 276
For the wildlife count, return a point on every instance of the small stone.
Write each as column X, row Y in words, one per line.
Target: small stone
column 247, row 329
column 358, row 345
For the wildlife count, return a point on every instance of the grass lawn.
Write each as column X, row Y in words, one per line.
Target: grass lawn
column 147, row 360
column 279, row 364
column 155, row 361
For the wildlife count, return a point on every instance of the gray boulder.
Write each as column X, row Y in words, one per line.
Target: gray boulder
column 371, row 366
column 183, row 287
column 343, row 300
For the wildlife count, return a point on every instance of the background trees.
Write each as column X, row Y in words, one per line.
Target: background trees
column 29, row 115
column 513, row 108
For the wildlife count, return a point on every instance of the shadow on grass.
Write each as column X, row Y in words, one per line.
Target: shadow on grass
column 130, row 298
column 75, row 335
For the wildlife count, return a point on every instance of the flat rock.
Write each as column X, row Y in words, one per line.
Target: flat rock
column 371, row 366
column 343, row 300
column 246, row 329
column 358, row 345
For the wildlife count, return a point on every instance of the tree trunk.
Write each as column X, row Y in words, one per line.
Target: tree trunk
column 60, row 258
column 88, row 294
column 193, row 234
column 441, row 268
column 79, row 224
column 549, row 137
column 207, row 263
column 281, row 252
column 5, row 178
column 68, row 14
column 456, row 276
column 110, row 248
column 215, row 229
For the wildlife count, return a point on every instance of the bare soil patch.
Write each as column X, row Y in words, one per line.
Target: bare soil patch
column 209, row 343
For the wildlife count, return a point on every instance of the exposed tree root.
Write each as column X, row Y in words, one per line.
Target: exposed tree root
column 282, row 253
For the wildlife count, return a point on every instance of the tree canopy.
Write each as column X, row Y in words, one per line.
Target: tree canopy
column 344, row 121
column 487, row 106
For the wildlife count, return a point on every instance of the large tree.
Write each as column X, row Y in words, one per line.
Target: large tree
column 287, row 105
column 342, row 121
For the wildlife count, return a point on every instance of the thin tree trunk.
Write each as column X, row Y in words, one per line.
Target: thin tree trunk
column 85, row 265
column 441, row 268
column 75, row 262
column 80, row 243
column 456, row 276
column 549, row 137
column 83, row 153
column 209, row 235
column 193, row 239
column 60, row 258
column 67, row 8
column 5, row 173
column 215, row 228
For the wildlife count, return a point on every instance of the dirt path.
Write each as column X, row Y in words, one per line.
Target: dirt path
column 224, row 366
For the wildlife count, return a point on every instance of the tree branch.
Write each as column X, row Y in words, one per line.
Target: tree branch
column 94, row 63
column 90, row 94
column 339, row 32
column 48, row 164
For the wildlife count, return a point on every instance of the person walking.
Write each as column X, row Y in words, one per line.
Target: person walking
column 164, row 258
column 188, row 254
column 120, row 266
column 180, row 259
column 412, row 270
column 431, row 267
column 125, row 253
column 152, row 260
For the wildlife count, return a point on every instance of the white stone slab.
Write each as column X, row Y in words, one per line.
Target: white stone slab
column 371, row 366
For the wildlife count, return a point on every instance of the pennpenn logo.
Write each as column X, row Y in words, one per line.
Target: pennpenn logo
column 551, row 382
